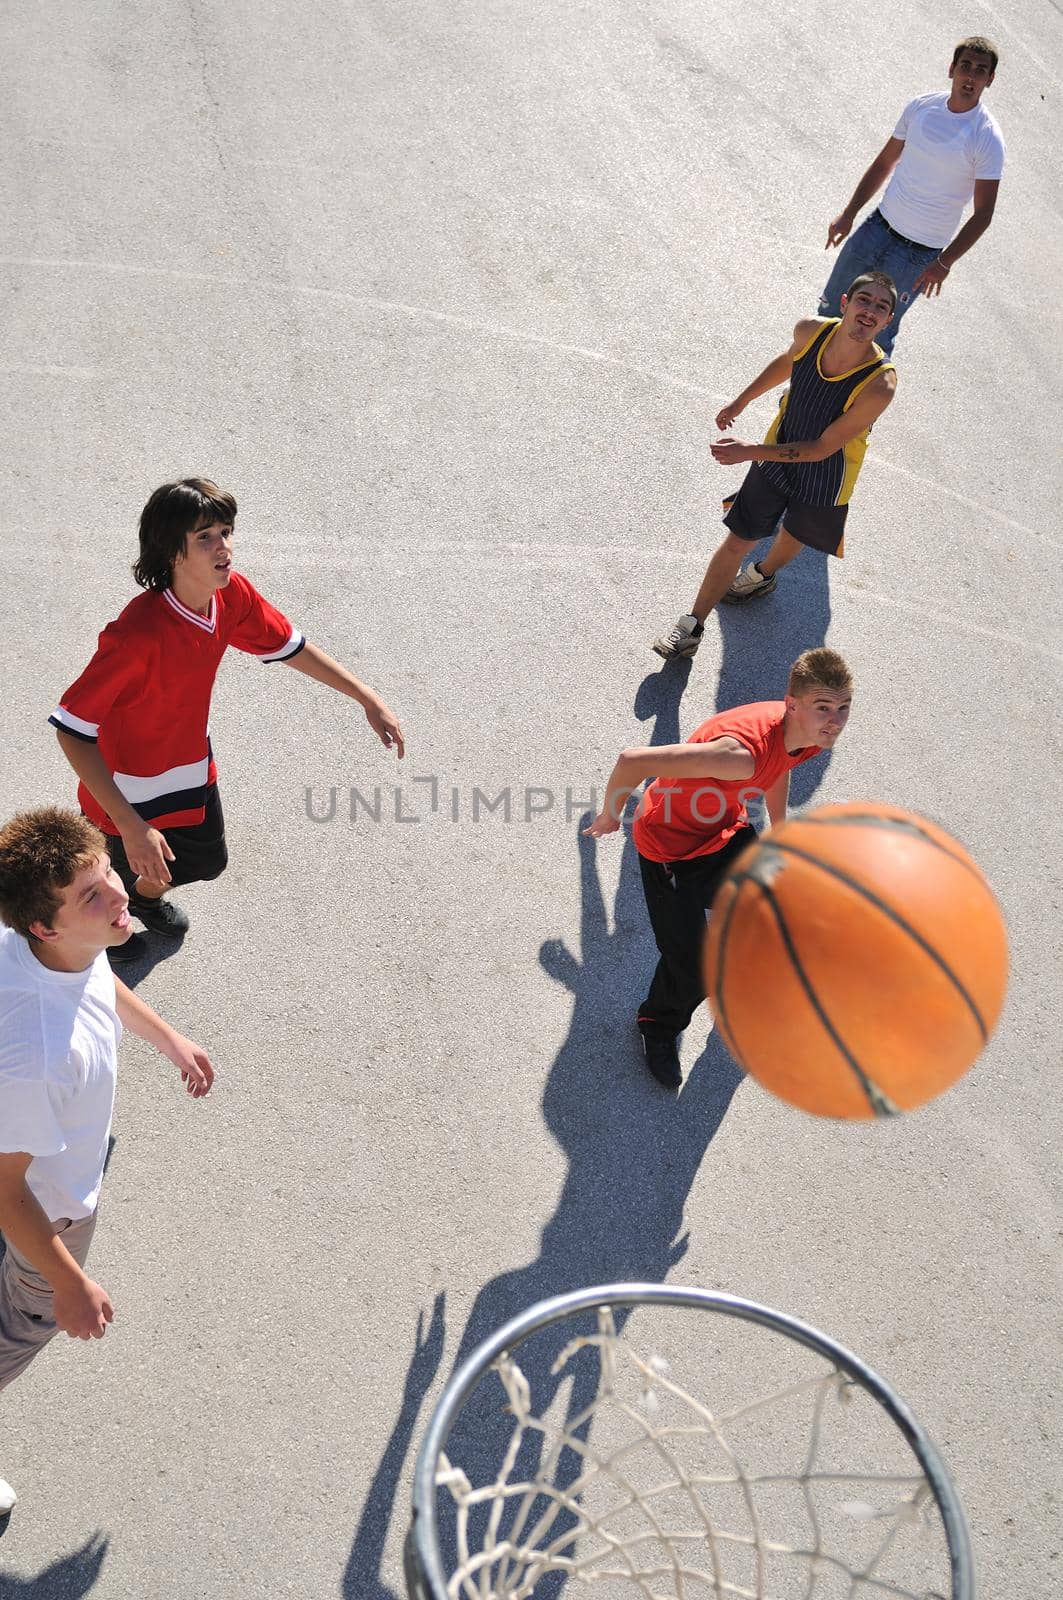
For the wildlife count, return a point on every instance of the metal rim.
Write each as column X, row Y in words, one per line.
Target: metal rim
column 424, row 1540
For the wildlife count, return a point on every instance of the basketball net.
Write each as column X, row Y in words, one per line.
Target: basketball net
column 643, row 1516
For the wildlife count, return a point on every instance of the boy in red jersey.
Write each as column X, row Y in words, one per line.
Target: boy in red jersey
column 134, row 725
column 692, row 823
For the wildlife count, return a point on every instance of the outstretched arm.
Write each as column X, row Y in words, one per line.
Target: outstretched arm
column 869, row 185
column 197, row 1074
column 861, row 414
column 314, row 663
column 718, row 758
column 985, row 198
column 775, row 373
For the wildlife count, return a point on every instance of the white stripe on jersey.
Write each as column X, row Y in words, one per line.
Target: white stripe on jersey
column 90, row 730
column 137, row 790
column 295, row 643
column 208, row 623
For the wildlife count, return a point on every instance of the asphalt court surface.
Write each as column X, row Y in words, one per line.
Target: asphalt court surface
column 449, row 298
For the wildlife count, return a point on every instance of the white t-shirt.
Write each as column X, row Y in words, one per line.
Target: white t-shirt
column 944, row 152
column 59, row 1034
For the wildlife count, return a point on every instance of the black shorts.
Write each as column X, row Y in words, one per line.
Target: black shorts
column 755, row 510
column 199, row 852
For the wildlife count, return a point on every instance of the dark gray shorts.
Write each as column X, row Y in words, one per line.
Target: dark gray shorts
column 755, row 510
column 200, row 852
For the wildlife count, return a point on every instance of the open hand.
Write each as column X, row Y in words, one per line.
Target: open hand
column 193, row 1064
column 147, row 852
column 385, row 724
column 603, row 823
column 931, row 278
column 838, row 230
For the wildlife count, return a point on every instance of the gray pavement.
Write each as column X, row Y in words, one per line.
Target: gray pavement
column 449, row 296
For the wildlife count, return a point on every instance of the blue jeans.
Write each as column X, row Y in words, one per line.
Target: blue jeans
column 873, row 248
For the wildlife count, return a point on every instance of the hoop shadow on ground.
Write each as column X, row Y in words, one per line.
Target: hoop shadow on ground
column 66, row 1579
column 633, row 1151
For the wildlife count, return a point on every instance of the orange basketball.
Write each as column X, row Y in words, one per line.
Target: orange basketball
column 856, row 960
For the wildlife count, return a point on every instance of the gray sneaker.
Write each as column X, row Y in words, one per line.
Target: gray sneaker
column 750, row 585
column 680, row 642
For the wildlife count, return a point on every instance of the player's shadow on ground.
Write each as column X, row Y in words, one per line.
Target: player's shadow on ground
column 361, row 1577
column 633, row 1151
column 66, row 1579
column 760, row 639
column 157, row 948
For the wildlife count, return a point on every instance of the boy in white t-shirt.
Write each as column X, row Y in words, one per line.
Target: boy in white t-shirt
column 946, row 151
column 62, row 1012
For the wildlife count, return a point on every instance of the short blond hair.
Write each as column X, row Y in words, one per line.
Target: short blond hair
column 821, row 668
column 41, row 853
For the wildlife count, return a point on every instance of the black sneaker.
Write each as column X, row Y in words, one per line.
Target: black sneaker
column 662, row 1058
column 161, row 916
column 135, row 949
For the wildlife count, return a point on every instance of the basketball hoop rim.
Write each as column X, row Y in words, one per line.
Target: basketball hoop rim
column 424, row 1531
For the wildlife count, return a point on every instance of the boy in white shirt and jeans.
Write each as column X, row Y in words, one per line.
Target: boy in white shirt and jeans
column 62, row 1012
column 946, row 150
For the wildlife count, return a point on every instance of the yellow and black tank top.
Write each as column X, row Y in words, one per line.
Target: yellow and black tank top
column 811, row 405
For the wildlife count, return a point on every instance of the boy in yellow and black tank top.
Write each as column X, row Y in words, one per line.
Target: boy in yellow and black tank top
column 812, row 403
column 802, row 476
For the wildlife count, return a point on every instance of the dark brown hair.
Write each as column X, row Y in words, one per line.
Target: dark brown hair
column 174, row 511
column 874, row 277
column 978, row 44
column 41, row 853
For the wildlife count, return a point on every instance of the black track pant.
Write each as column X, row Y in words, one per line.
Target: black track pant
column 678, row 894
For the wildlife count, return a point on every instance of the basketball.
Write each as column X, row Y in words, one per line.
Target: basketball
column 856, row 960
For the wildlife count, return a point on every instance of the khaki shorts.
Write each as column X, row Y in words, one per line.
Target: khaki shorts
column 26, row 1320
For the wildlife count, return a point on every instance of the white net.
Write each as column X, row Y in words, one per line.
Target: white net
column 644, row 1491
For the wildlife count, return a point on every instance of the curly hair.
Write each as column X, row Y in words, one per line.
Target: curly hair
column 41, row 853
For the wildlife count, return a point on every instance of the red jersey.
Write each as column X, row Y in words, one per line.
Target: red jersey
column 684, row 817
column 144, row 698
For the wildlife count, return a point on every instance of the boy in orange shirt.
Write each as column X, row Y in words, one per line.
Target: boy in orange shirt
column 692, row 823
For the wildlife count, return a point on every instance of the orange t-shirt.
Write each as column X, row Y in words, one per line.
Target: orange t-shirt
column 684, row 817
